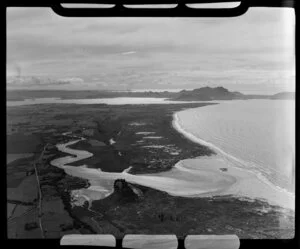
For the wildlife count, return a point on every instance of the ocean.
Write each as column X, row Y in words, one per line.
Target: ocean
column 256, row 135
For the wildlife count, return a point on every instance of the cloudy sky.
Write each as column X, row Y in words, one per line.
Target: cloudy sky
column 253, row 53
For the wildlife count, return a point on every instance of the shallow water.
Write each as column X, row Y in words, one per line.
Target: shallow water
column 108, row 101
column 182, row 180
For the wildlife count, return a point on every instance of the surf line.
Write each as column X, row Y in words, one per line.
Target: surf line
column 229, row 159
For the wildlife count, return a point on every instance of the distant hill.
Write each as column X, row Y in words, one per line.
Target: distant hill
column 283, row 95
column 17, row 95
column 221, row 93
column 208, row 93
column 198, row 94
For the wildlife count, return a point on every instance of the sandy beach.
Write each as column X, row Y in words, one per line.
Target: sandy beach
column 247, row 183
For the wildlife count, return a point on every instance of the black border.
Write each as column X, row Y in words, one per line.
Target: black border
column 181, row 10
column 54, row 243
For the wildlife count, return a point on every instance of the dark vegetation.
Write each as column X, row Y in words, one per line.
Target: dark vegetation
column 157, row 212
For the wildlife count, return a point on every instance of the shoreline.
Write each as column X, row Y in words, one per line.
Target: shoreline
column 264, row 189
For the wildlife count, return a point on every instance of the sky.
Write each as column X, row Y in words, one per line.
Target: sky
column 252, row 53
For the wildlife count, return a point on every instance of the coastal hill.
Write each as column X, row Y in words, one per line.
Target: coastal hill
column 221, row 93
column 208, row 93
column 283, row 95
column 198, row 94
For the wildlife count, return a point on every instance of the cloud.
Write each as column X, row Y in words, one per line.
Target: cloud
column 172, row 50
column 71, row 80
column 35, row 82
column 129, row 52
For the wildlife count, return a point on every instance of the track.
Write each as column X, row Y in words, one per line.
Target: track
column 40, row 192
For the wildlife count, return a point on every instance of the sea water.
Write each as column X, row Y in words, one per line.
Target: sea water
column 257, row 135
column 108, row 101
